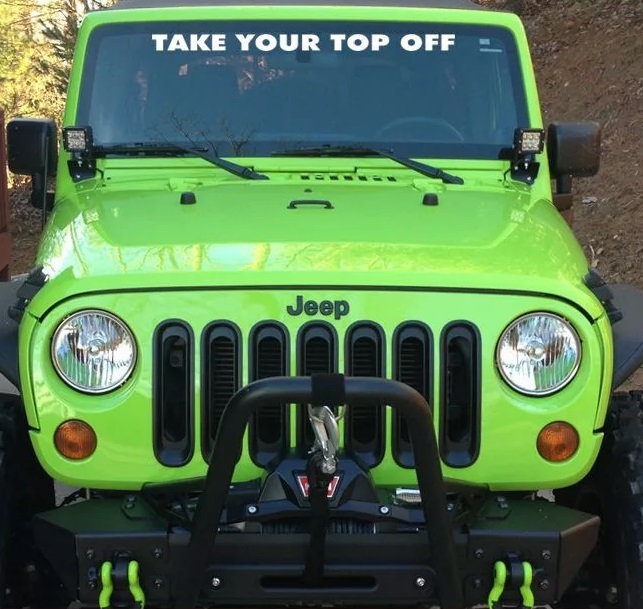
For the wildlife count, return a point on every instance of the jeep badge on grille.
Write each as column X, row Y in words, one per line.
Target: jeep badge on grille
column 339, row 308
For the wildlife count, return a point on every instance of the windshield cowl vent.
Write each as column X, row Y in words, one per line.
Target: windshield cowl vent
column 344, row 177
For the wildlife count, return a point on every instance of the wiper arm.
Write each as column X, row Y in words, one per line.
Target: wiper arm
column 361, row 151
column 175, row 149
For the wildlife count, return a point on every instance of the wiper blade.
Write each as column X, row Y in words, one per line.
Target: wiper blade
column 175, row 149
column 361, row 151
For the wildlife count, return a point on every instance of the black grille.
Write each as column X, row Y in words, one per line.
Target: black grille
column 317, row 348
column 365, row 423
column 412, row 348
column 269, row 437
column 172, row 402
column 316, row 354
column 222, row 377
column 460, row 394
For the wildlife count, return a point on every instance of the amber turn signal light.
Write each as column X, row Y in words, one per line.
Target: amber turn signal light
column 75, row 440
column 557, row 441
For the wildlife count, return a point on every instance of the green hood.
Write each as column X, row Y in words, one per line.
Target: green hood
column 376, row 233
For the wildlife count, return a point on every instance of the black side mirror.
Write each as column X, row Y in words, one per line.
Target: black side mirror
column 32, row 147
column 574, row 151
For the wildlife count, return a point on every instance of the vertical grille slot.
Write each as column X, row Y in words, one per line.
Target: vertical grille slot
column 412, row 361
column 460, row 394
column 221, row 377
column 316, row 354
column 269, row 437
column 173, row 417
column 364, row 422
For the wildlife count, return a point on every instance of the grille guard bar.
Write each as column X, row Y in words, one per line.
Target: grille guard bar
column 330, row 390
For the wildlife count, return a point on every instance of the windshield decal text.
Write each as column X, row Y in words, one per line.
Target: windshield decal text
column 266, row 43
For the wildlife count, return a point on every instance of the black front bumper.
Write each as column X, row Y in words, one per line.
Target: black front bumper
column 441, row 552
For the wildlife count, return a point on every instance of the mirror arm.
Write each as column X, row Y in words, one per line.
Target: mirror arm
column 564, row 184
column 40, row 195
column 563, row 198
column 36, row 188
column 45, row 179
column 44, row 185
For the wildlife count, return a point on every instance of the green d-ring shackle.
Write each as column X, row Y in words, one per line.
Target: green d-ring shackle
column 527, row 595
column 134, row 584
column 500, row 579
column 105, row 597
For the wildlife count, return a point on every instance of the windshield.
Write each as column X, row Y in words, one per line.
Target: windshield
column 255, row 88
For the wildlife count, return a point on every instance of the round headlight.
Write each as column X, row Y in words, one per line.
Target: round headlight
column 538, row 354
column 93, row 351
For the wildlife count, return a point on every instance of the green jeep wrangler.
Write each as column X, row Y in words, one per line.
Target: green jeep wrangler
column 307, row 326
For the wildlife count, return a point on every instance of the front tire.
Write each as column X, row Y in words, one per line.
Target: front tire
column 6, row 501
column 613, row 490
column 25, row 490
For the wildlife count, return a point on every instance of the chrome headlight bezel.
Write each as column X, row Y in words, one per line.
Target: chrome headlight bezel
column 571, row 375
column 123, row 327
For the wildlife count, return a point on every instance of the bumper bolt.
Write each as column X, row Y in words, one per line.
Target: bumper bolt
column 546, row 555
column 89, row 554
column 158, row 553
column 92, row 585
column 420, row 582
column 612, row 595
column 158, row 583
column 544, row 584
column 479, row 553
column 385, row 510
column 477, row 583
column 215, row 582
column 252, row 509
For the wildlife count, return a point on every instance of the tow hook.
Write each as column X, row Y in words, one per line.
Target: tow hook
column 113, row 577
column 521, row 579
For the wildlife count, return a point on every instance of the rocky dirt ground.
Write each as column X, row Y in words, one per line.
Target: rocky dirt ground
column 588, row 56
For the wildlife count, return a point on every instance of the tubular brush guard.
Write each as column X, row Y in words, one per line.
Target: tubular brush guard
column 322, row 390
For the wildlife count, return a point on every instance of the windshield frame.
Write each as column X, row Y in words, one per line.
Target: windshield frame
column 523, row 88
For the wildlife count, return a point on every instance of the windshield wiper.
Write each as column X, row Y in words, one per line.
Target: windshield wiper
column 176, row 150
column 362, row 151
